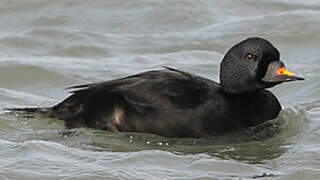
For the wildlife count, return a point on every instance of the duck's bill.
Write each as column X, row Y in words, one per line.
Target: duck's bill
column 286, row 75
column 278, row 73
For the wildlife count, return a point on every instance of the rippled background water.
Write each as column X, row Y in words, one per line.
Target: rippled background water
column 47, row 45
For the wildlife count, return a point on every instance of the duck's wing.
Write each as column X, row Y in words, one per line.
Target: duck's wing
column 168, row 88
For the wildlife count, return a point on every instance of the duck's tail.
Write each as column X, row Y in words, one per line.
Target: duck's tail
column 27, row 110
column 47, row 111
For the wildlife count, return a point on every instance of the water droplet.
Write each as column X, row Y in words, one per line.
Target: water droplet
column 131, row 139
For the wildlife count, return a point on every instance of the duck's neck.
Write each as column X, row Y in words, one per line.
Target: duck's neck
column 239, row 88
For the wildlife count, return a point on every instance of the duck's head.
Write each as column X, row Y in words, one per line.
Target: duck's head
column 251, row 65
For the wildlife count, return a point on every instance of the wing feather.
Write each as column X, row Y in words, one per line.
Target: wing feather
column 169, row 88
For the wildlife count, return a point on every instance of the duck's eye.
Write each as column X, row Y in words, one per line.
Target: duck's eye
column 250, row 57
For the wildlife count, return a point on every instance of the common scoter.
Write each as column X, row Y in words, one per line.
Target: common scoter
column 174, row 103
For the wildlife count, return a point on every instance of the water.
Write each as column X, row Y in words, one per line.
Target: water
column 47, row 45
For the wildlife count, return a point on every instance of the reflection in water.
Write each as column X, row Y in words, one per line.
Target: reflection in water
column 254, row 145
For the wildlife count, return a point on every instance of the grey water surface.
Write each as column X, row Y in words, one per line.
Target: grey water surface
column 48, row 45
